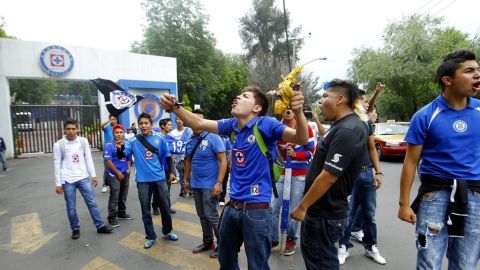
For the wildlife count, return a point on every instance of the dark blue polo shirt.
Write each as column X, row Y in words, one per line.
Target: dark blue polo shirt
column 250, row 177
column 450, row 139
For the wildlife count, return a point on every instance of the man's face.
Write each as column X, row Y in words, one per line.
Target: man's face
column 363, row 101
column 244, row 104
column 118, row 134
column 168, row 127
column 467, row 78
column 288, row 115
column 197, row 132
column 179, row 122
column 113, row 120
column 145, row 126
column 71, row 131
column 328, row 104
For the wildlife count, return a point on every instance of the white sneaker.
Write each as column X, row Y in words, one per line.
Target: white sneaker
column 221, row 204
column 343, row 254
column 104, row 189
column 375, row 255
column 358, row 236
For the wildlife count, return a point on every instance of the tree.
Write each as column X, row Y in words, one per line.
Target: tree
column 262, row 31
column 3, row 34
column 177, row 28
column 407, row 63
column 33, row 91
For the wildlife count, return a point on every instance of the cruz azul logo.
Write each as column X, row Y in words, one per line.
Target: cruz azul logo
column 121, row 99
column 148, row 154
column 56, row 61
column 460, row 126
column 240, row 158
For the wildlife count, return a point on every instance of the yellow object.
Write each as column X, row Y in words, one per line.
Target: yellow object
column 285, row 90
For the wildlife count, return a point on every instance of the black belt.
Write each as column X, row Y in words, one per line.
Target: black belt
column 248, row 206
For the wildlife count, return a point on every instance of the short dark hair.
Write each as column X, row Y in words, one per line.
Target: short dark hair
column 198, row 111
column 145, row 115
column 349, row 88
column 450, row 64
column 163, row 122
column 111, row 115
column 70, row 121
column 260, row 98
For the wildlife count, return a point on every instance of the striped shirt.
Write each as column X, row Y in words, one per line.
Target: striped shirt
column 303, row 154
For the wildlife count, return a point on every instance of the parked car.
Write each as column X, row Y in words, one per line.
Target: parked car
column 390, row 138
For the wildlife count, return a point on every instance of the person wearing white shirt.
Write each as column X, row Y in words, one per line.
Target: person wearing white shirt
column 73, row 169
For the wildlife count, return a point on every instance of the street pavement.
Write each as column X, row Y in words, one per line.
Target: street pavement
column 35, row 234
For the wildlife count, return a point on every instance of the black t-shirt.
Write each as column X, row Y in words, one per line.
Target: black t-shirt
column 340, row 153
column 366, row 160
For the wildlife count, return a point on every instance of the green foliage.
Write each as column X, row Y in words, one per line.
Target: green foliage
column 177, row 28
column 33, row 91
column 3, row 34
column 42, row 91
column 262, row 30
column 407, row 62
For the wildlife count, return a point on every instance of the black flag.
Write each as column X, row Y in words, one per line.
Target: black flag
column 117, row 99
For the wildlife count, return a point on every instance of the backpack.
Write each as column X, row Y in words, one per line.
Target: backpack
column 61, row 143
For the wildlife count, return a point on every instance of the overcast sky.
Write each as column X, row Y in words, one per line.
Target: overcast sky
column 336, row 27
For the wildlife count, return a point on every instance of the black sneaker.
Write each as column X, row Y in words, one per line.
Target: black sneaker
column 113, row 223
column 182, row 195
column 156, row 211
column 125, row 216
column 75, row 234
column 105, row 229
column 172, row 211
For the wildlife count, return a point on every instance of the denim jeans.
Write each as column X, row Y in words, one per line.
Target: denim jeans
column 296, row 194
column 318, row 239
column 145, row 192
column 251, row 227
column 70, row 194
column 118, row 195
column 180, row 170
column 3, row 158
column 364, row 195
column 223, row 194
column 432, row 236
column 206, row 206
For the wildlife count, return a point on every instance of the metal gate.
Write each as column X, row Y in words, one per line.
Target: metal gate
column 37, row 127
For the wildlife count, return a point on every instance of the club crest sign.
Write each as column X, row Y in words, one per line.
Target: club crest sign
column 56, row 61
column 121, row 99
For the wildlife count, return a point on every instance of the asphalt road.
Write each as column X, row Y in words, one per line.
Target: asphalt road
column 34, row 230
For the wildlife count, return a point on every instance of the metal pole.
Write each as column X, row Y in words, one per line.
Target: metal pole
column 286, row 35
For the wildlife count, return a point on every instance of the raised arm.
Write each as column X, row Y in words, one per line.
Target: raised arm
column 378, row 89
column 300, row 134
column 189, row 119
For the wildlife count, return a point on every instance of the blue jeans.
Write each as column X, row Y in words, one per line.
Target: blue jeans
column 251, row 227
column 70, row 194
column 432, row 236
column 145, row 191
column 318, row 239
column 296, row 194
column 206, row 206
column 364, row 195
column 3, row 158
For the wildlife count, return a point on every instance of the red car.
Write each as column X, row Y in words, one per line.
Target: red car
column 390, row 139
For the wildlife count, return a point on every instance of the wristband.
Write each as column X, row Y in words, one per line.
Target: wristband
column 378, row 173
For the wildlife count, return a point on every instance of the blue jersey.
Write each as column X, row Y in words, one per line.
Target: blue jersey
column 204, row 161
column 148, row 165
column 250, row 177
column 110, row 153
column 450, row 139
column 107, row 134
column 228, row 147
column 177, row 142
